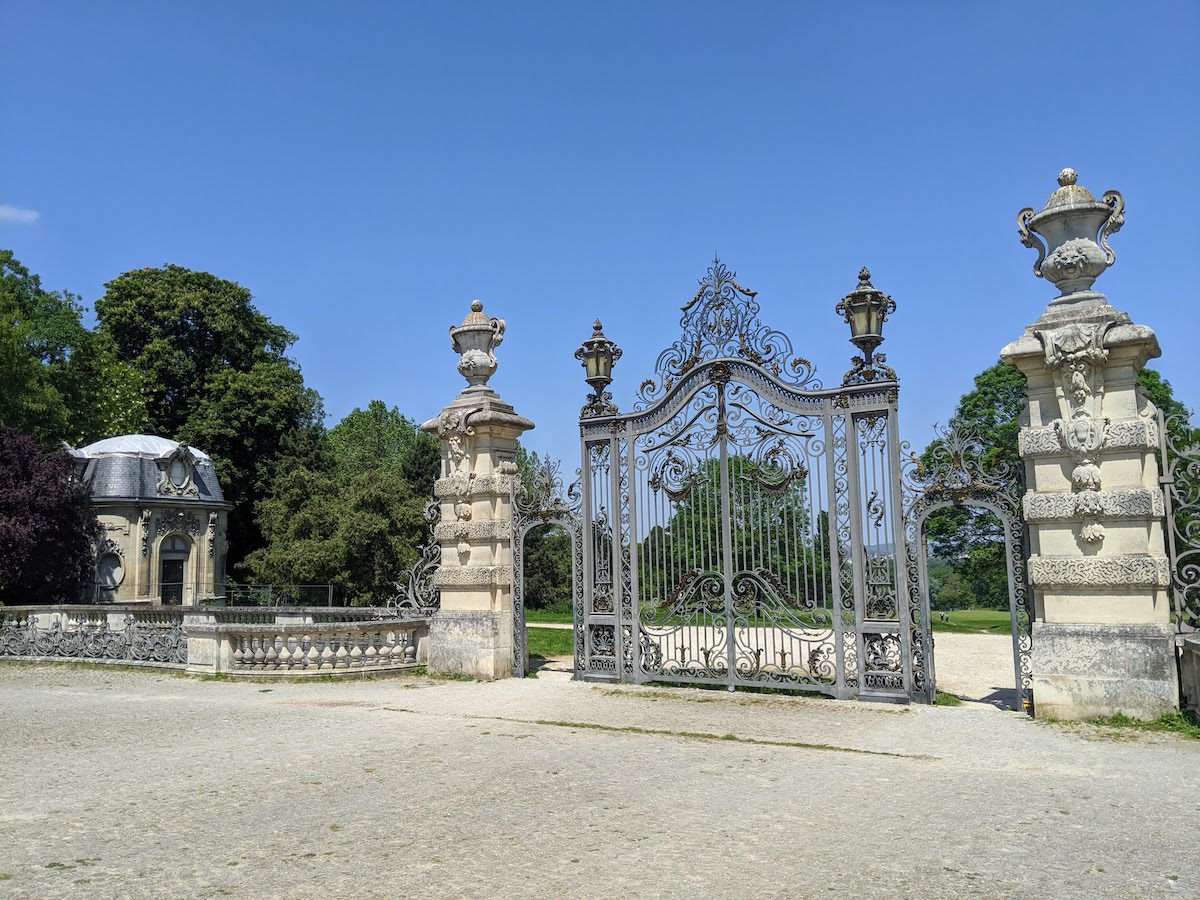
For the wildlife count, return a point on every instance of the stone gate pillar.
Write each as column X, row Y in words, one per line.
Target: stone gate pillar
column 1102, row 638
column 472, row 633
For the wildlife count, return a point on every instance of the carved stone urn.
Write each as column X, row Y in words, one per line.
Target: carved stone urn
column 1070, row 235
column 476, row 340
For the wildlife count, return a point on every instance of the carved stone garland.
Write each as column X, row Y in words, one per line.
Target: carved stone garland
column 1076, row 354
column 455, row 431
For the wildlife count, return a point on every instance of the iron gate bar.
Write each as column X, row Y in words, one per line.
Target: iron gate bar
column 618, row 432
column 812, row 465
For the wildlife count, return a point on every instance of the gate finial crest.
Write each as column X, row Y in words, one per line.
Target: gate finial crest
column 719, row 322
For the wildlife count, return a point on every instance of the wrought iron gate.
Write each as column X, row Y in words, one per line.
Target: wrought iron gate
column 1179, row 465
column 538, row 500
column 743, row 526
column 957, row 473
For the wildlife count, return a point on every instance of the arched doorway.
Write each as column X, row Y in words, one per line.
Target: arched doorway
column 957, row 474
column 542, row 508
column 173, row 555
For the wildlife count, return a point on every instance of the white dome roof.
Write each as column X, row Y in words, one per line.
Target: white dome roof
column 147, row 445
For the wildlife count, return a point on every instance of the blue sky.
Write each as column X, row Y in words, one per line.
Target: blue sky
column 367, row 169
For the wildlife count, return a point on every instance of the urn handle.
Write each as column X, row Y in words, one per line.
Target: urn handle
column 1113, row 223
column 1033, row 241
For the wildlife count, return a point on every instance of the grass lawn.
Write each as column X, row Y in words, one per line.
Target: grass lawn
column 550, row 641
column 974, row 621
column 541, row 615
column 962, row 621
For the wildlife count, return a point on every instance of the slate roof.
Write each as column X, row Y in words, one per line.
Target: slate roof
column 124, row 467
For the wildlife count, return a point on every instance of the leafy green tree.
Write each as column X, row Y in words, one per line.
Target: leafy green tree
column 214, row 372
column 61, row 381
column 771, row 529
column 547, row 556
column 181, row 329
column 342, row 511
column 47, row 528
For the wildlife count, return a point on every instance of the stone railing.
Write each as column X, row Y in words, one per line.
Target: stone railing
column 234, row 640
column 305, row 648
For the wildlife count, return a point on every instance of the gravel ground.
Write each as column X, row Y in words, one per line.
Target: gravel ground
column 137, row 784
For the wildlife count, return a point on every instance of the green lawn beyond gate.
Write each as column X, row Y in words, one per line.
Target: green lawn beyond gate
column 558, row 641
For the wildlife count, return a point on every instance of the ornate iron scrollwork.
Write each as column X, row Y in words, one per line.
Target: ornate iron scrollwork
column 721, row 321
column 415, row 591
column 1180, row 467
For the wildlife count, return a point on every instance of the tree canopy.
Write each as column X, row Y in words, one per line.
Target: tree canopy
column 47, row 528
column 349, row 509
column 61, row 381
column 214, row 374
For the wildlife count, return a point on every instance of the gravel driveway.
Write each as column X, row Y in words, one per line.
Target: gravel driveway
column 137, row 784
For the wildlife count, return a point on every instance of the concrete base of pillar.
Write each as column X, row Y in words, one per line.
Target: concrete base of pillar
column 478, row 644
column 1085, row 671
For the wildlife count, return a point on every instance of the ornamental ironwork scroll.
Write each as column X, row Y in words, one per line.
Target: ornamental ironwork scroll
column 721, row 321
column 958, row 472
column 540, row 498
column 416, row 594
column 741, row 526
column 1179, row 461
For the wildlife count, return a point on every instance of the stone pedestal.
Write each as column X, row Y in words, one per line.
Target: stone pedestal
column 1102, row 638
column 472, row 634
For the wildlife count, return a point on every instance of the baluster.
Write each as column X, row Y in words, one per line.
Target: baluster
column 271, row 658
column 371, row 654
column 410, row 649
column 386, row 647
column 312, row 655
column 239, row 651
column 341, row 657
column 288, row 649
column 327, row 656
column 260, row 655
column 356, row 652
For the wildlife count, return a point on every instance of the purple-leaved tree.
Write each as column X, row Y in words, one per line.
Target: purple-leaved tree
column 47, row 528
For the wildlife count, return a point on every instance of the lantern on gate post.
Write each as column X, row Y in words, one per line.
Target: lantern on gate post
column 597, row 355
column 865, row 310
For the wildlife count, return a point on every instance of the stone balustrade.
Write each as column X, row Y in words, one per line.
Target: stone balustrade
column 320, row 648
column 234, row 640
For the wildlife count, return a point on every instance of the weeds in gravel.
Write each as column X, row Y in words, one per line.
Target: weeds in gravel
column 947, row 700
column 1178, row 722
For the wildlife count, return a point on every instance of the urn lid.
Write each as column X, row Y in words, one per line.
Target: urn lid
column 1070, row 195
column 476, row 316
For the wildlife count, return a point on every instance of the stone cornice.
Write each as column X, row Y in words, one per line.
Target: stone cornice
column 1099, row 571
column 1126, row 434
column 1071, row 506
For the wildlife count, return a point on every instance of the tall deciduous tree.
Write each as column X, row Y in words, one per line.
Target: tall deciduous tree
column 61, row 381
column 215, row 372
column 349, row 512
column 47, row 528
